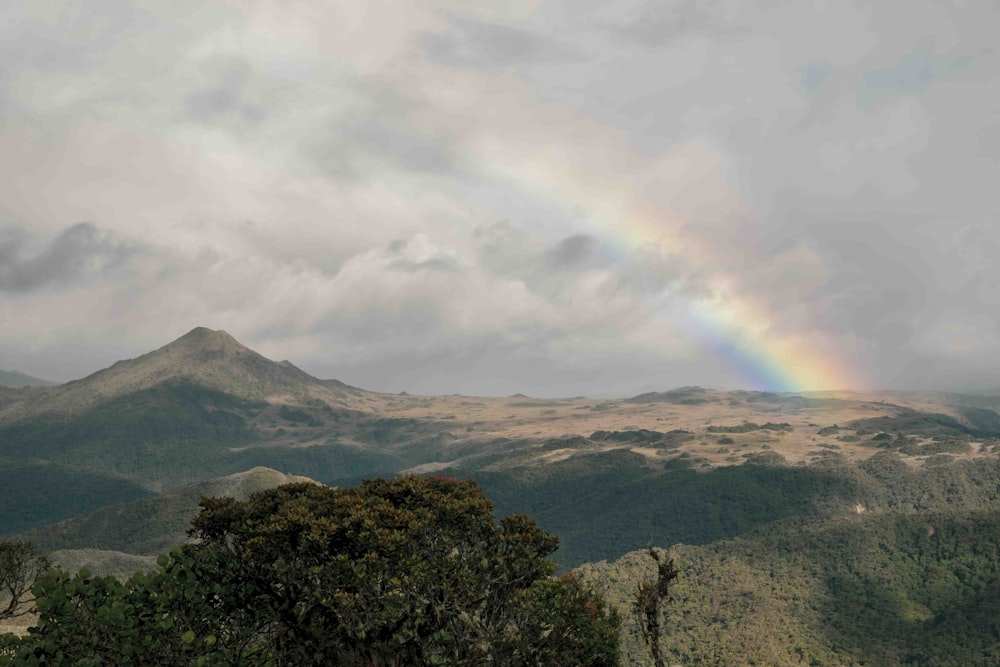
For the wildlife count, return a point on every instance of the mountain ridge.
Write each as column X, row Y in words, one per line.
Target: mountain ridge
column 211, row 359
column 19, row 379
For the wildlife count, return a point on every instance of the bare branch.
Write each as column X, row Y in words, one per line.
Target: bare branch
column 20, row 567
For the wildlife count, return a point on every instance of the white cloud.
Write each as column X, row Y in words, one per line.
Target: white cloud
column 325, row 181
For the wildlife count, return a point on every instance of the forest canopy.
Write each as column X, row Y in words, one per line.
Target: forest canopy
column 410, row 571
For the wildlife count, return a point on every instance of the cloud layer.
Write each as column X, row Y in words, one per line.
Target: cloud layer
column 441, row 198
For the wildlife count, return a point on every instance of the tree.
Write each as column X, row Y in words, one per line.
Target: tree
column 20, row 567
column 648, row 601
column 412, row 571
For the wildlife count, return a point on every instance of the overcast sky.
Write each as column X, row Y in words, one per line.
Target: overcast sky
column 554, row 198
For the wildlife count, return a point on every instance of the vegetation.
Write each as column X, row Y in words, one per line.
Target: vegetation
column 648, row 602
column 165, row 434
column 747, row 427
column 862, row 589
column 412, row 571
column 602, row 504
column 38, row 494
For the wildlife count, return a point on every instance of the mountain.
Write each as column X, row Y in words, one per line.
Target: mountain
column 715, row 463
column 201, row 406
column 211, row 360
column 19, row 379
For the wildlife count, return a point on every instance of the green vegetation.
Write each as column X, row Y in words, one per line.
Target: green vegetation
column 648, row 601
column 412, row 571
column 604, row 504
column 37, row 494
column 870, row 589
column 747, row 427
column 329, row 463
column 151, row 525
column 297, row 416
column 165, row 434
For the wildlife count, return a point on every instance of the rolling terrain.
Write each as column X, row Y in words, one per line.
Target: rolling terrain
column 799, row 511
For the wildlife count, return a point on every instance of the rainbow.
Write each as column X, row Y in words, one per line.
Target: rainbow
column 735, row 329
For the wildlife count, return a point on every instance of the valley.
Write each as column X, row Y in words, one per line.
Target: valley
column 796, row 496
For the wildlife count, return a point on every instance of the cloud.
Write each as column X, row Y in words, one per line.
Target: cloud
column 82, row 252
column 915, row 71
column 228, row 97
column 468, row 42
column 665, row 23
column 573, row 251
column 325, row 180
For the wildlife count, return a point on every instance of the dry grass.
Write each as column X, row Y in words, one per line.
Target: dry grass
column 482, row 419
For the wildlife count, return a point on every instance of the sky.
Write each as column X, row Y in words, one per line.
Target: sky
column 549, row 198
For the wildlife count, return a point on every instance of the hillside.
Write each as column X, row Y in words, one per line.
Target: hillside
column 864, row 589
column 827, row 529
column 201, row 406
column 688, row 464
column 152, row 525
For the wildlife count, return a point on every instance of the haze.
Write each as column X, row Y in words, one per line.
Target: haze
column 547, row 198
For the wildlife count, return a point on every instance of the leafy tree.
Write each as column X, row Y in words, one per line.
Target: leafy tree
column 412, row 571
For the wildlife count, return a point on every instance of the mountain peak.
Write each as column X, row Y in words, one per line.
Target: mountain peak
column 208, row 338
column 19, row 379
column 211, row 359
column 204, row 333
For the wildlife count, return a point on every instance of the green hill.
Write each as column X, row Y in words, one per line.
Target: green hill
column 608, row 503
column 868, row 589
column 154, row 524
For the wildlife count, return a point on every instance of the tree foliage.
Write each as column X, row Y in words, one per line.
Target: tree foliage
column 412, row 571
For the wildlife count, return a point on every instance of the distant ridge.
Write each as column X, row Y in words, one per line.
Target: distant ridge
column 19, row 379
column 680, row 396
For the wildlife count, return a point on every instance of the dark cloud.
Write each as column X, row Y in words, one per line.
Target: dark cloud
column 228, row 97
column 659, row 24
column 479, row 44
column 81, row 251
column 575, row 251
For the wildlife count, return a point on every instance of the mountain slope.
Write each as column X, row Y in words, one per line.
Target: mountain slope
column 212, row 360
column 201, row 406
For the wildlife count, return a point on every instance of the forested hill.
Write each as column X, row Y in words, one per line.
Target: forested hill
column 866, row 589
